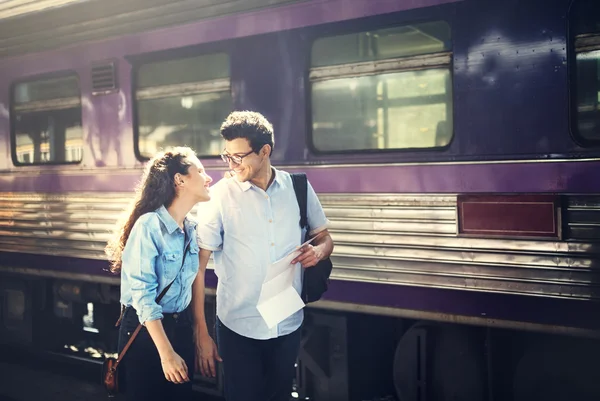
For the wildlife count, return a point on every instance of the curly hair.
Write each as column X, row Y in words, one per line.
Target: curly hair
column 156, row 188
column 250, row 125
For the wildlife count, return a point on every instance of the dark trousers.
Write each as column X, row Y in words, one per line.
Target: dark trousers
column 257, row 370
column 143, row 373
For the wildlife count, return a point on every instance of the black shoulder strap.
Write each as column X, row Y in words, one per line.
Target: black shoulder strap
column 301, row 189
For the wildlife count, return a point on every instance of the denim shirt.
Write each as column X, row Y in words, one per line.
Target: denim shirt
column 248, row 229
column 152, row 259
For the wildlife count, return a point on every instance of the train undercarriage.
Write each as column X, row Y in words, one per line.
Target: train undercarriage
column 345, row 355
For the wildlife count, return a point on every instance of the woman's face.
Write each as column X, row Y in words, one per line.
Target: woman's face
column 197, row 182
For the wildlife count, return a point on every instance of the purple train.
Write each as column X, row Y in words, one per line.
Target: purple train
column 455, row 145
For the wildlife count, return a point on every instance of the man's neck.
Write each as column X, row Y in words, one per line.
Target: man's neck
column 264, row 179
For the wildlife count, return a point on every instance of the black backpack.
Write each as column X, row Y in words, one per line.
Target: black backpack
column 316, row 278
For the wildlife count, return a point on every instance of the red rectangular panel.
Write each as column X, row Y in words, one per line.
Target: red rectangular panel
column 509, row 215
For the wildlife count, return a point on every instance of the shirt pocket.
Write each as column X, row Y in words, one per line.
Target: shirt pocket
column 193, row 257
column 172, row 264
column 188, row 274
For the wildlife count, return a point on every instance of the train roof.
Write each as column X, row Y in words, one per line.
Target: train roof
column 30, row 26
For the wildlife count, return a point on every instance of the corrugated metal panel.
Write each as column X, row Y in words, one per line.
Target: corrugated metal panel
column 583, row 218
column 411, row 240
column 394, row 239
column 15, row 8
column 99, row 19
column 63, row 225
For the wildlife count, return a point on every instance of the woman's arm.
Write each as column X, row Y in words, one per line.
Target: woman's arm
column 139, row 264
column 173, row 365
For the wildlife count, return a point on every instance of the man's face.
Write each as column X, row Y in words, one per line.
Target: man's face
column 242, row 160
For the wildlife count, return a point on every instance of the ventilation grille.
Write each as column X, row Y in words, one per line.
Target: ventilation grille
column 582, row 218
column 104, row 78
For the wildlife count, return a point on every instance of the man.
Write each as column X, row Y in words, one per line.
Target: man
column 252, row 221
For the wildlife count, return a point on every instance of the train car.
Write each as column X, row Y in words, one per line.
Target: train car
column 454, row 144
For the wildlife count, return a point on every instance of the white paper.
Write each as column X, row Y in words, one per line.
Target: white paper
column 278, row 299
column 284, row 263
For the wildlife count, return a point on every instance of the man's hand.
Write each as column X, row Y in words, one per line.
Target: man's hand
column 309, row 256
column 206, row 353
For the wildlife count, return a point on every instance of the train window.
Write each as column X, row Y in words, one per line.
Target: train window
column 587, row 70
column 382, row 89
column 183, row 102
column 47, row 121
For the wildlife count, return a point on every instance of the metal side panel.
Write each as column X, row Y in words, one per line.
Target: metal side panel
column 398, row 239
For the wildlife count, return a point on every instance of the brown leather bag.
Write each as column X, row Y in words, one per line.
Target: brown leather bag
column 110, row 374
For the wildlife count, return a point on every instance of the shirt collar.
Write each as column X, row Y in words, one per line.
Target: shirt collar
column 189, row 223
column 170, row 223
column 246, row 185
column 277, row 179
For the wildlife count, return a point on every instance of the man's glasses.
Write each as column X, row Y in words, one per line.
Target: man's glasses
column 236, row 159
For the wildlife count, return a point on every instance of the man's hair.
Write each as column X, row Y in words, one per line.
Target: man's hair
column 250, row 125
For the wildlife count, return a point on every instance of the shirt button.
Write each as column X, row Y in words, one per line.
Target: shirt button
column 270, row 221
column 272, row 244
column 266, row 196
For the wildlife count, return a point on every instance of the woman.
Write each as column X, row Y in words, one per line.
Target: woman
column 148, row 250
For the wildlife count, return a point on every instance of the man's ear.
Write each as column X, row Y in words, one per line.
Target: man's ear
column 265, row 150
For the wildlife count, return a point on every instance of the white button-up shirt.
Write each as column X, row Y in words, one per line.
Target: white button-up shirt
column 248, row 229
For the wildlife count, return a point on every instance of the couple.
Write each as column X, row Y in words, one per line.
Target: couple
column 249, row 222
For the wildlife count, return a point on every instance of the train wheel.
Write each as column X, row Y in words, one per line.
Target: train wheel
column 440, row 362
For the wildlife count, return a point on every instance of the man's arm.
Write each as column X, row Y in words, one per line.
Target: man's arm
column 312, row 254
column 206, row 350
column 322, row 246
column 198, row 294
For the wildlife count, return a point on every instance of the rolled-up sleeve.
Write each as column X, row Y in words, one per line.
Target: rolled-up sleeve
column 317, row 221
column 139, row 262
column 210, row 225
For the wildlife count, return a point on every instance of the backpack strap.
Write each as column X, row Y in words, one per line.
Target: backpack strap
column 301, row 189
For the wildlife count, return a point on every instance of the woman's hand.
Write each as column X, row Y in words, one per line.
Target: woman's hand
column 174, row 367
column 206, row 353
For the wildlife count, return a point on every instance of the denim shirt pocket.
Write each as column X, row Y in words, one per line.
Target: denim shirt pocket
column 193, row 257
column 191, row 263
column 172, row 264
